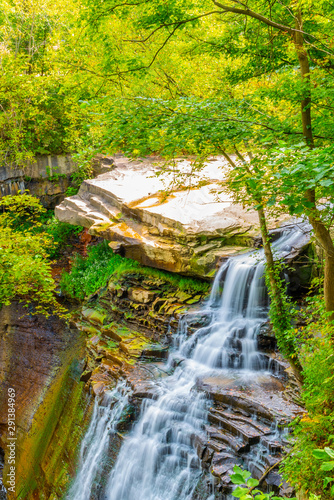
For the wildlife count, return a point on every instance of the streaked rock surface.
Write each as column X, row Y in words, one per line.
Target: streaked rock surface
column 184, row 230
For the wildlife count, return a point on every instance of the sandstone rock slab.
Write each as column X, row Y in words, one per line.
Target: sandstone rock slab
column 184, row 230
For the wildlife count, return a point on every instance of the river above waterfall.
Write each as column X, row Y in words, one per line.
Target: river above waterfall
column 159, row 459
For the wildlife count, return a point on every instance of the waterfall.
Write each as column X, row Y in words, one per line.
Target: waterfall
column 159, row 461
column 94, row 447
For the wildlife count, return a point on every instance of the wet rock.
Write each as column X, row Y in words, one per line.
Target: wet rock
column 127, row 418
column 86, row 375
column 94, row 316
column 226, row 439
column 207, row 455
column 222, row 464
column 246, row 432
column 272, row 446
column 141, row 295
column 98, row 388
column 199, row 445
column 145, row 390
column 264, row 398
column 266, row 340
column 155, row 353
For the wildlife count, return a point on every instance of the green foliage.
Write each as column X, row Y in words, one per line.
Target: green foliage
column 316, row 428
column 327, row 458
column 25, row 212
column 281, row 315
column 84, row 169
column 60, row 233
column 246, row 487
column 25, row 272
column 28, row 238
column 40, row 112
column 21, row 211
column 91, row 273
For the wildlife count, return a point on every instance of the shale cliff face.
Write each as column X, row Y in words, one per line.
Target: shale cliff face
column 47, row 177
column 42, row 360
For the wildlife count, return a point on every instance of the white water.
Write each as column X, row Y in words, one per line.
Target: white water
column 94, row 447
column 158, row 461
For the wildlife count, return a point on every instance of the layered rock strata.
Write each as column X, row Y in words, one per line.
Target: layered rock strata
column 185, row 229
column 47, row 177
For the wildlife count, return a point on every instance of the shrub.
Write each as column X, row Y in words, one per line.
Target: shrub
column 60, row 232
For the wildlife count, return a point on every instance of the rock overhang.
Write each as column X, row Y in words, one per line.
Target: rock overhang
column 186, row 229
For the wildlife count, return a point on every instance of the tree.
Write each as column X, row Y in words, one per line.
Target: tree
column 40, row 110
column 269, row 39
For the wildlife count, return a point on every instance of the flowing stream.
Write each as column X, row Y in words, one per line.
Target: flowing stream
column 158, row 460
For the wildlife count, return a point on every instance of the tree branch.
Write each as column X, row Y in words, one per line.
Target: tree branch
column 184, row 21
column 250, row 13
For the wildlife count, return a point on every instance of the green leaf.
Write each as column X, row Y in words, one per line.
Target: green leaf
column 237, row 469
column 251, row 483
column 329, row 450
column 320, row 454
column 237, row 479
column 328, row 480
column 240, row 492
column 327, row 466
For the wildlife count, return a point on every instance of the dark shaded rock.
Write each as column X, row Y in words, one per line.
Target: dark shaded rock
column 86, row 375
column 222, row 464
column 127, row 418
column 266, row 340
column 155, row 353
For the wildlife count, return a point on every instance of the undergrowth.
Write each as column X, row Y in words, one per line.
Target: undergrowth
column 93, row 272
column 316, row 428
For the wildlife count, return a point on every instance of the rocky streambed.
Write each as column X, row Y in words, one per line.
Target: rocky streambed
column 204, row 416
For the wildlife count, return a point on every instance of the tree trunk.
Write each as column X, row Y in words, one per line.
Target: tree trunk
column 323, row 236
column 321, row 232
column 276, row 294
column 305, row 74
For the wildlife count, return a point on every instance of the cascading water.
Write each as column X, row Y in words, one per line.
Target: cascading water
column 94, row 447
column 159, row 461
